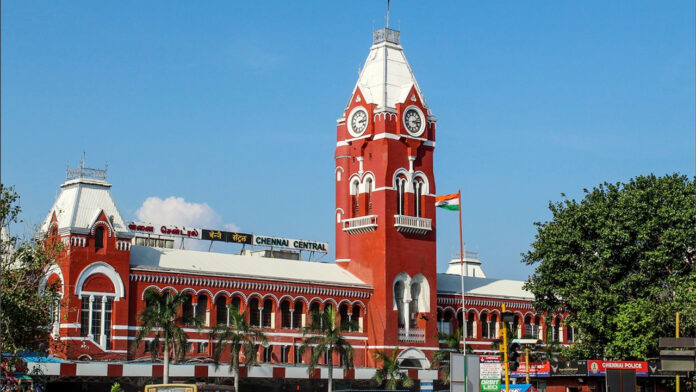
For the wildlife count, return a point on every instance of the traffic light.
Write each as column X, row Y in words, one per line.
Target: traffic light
column 514, row 356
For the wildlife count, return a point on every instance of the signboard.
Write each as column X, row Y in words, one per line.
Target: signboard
column 599, row 368
column 169, row 231
column 490, row 372
column 457, row 379
column 226, row 236
column 536, row 369
column 569, row 369
column 426, row 386
column 275, row 242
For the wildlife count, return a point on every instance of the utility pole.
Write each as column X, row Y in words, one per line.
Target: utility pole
column 505, row 352
column 677, row 336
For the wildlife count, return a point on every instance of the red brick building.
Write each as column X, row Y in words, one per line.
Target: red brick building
column 384, row 277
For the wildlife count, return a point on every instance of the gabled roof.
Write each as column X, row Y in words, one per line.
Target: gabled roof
column 484, row 287
column 242, row 266
column 80, row 201
column 386, row 78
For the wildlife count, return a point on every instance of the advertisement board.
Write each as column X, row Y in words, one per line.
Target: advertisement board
column 536, row 369
column 490, row 372
column 165, row 230
column 569, row 369
column 226, row 236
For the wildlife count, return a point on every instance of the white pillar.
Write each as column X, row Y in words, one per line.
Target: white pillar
column 474, row 330
column 292, row 318
column 560, row 334
column 303, row 320
column 91, row 309
column 102, row 336
column 272, row 320
column 360, row 324
column 261, row 317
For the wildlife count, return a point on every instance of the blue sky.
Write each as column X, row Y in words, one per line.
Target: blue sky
column 233, row 105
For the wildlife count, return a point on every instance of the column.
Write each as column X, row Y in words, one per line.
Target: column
column 91, row 311
column 102, row 337
column 292, row 319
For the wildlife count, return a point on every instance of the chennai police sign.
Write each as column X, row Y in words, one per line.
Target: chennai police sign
column 312, row 246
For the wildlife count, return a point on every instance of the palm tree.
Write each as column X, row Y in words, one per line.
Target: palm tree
column 325, row 337
column 441, row 358
column 390, row 373
column 163, row 315
column 238, row 336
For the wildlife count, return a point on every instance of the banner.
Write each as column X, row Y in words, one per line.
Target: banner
column 536, row 369
column 599, row 368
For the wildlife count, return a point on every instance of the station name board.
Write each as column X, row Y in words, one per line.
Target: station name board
column 288, row 243
column 227, row 236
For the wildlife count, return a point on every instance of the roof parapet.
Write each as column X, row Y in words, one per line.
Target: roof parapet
column 386, row 34
column 85, row 172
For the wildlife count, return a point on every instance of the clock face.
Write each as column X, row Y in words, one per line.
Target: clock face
column 413, row 121
column 358, row 121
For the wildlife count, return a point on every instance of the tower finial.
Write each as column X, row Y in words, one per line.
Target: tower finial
column 388, row 13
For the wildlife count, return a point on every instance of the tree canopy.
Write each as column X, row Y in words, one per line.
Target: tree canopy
column 26, row 301
column 621, row 262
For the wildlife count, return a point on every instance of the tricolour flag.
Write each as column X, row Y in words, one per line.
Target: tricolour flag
column 448, row 202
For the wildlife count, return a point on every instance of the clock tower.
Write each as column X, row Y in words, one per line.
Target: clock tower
column 385, row 207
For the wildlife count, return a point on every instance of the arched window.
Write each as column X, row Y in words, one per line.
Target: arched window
column 417, row 197
column 266, row 313
column 237, row 304
column 221, row 310
column 414, row 309
column 98, row 238
column 344, row 315
column 355, row 317
column 254, row 315
column 368, row 199
column 399, row 299
column 400, row 190
column 285, row 354
column 446, row 326
column 187, row 309
column 267, row 354
column 470, row 320
column 97, row 295
column 355, row 193
column 536, row 328
column 201, row 308
column 285, row 317
column 492, row 325
column 485, row 326
column 570, row 333
column 556, row 329
column 528, row 327
column 297, row 314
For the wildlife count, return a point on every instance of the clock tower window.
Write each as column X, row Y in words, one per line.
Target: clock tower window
column 400, row 190
column 368, row 195
column 417, row 197
column 355, row 193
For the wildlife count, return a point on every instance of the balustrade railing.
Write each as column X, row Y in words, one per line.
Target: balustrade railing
column 361, row 224
column 412, row 224
column 411, row 335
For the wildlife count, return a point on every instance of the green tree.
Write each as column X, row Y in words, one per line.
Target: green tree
column 163, row 315
column 324, row 335
column 390, row 373
column 237, row 336
column 441, row 358
column 25, row 303
column 621, row 261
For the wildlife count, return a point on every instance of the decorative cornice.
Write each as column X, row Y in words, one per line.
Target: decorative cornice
column 245, row 285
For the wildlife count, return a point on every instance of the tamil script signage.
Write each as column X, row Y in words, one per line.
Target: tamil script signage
column 569, row 369
column 227, row 236
column 490, row 372
column 288, row 243
column 599, row 368
column 169, row 231
column 536, row 369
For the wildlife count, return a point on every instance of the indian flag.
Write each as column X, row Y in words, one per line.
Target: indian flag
column 448, row 202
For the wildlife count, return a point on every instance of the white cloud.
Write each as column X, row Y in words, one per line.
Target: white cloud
column 175, row 211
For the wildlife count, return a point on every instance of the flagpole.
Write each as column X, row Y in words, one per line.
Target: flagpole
column 461, row 273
